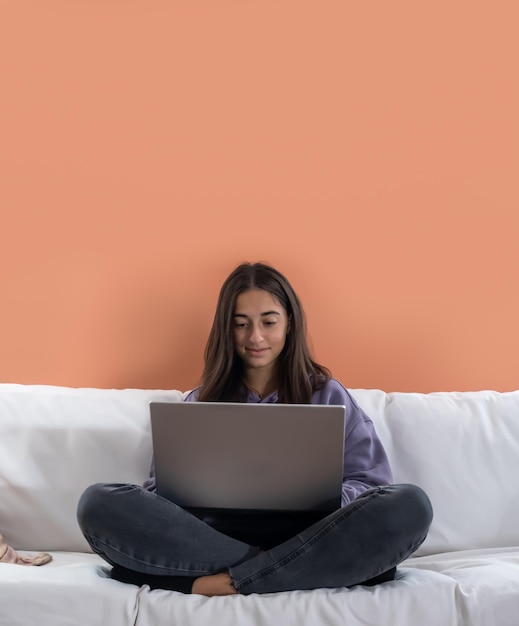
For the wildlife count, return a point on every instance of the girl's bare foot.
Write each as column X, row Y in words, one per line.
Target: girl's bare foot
column 214, row 585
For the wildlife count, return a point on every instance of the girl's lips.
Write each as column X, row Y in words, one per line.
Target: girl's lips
column 256, row 352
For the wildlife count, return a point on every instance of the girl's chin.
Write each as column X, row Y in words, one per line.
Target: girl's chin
column 266, row 363
column 257, row 362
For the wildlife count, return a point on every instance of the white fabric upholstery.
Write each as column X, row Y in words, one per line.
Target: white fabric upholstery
column 55, row 442
column 462, row 448
column 73, row 590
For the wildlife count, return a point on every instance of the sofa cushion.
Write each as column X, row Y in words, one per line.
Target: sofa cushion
column 73, row 590
column 406, row 601
column 55, row 442
column 462, row 448
column 487, row 583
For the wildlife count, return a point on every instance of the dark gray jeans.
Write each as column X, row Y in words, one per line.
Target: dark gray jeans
column 148, row 538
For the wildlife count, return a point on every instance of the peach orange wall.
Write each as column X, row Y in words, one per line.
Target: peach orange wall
column 367, row 149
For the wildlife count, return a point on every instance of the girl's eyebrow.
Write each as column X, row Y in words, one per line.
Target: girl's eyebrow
column 262, row 314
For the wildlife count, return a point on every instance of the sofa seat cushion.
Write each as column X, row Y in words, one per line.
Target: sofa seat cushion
column 450, row 590
column 406, row 601
column 487, row 582
column 74, row 589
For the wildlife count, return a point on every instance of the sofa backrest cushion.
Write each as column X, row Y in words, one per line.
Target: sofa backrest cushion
column 54, row 442
column 463, row 449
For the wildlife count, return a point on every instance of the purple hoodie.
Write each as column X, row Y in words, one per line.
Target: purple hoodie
column 365, row 461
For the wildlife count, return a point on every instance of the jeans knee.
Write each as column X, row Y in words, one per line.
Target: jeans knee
column 417, row 505
column 94, row 501
column 88, row 503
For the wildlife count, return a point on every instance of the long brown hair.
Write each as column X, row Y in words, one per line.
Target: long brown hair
column 298, row 374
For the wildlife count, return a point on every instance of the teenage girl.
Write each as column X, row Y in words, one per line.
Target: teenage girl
column 257, row 352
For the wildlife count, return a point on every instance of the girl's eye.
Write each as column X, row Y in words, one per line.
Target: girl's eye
column 269, row 323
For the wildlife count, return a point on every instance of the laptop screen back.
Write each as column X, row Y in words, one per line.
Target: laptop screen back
column 249, row 456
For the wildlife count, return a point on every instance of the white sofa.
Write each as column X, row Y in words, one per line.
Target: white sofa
column 462, row 448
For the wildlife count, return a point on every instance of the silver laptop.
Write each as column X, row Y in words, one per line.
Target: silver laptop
column 278, row 457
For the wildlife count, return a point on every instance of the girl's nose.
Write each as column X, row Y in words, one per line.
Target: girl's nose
column 255, row 334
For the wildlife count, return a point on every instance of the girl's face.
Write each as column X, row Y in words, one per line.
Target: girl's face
column 260, row 328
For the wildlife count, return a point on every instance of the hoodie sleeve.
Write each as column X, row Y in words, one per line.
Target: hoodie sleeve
column 365, row 461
